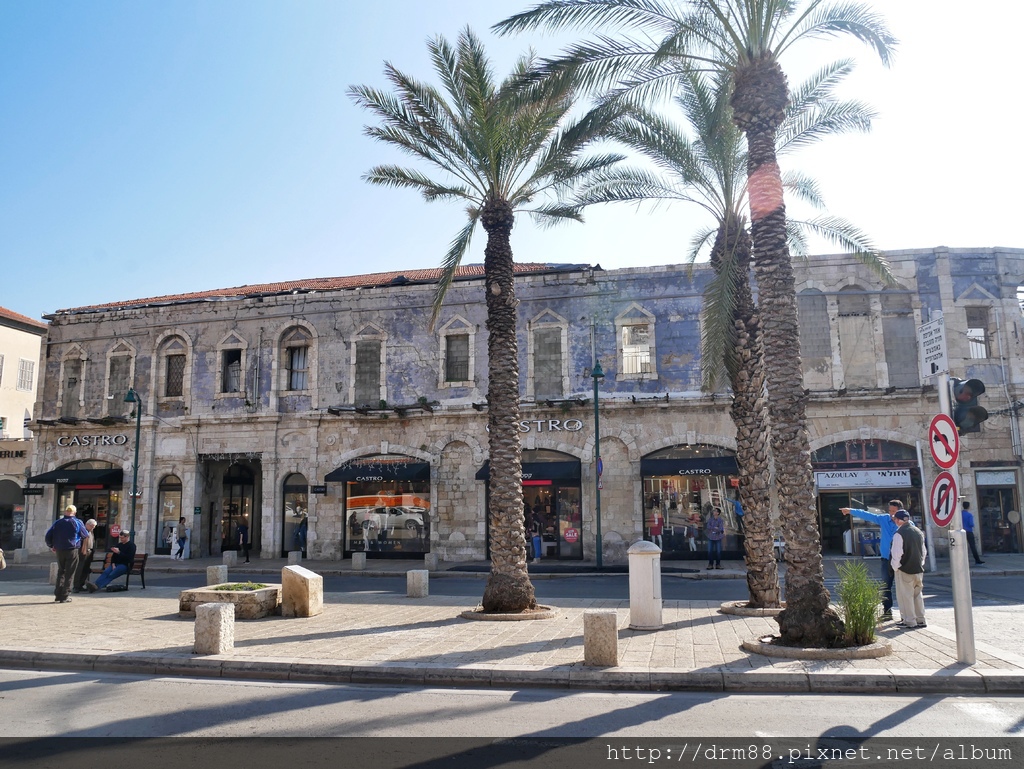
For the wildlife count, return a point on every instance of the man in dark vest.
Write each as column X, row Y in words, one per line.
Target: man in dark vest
column 908, row 554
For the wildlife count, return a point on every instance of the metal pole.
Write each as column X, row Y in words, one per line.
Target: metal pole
column 959, row 568
column 597, row 373
column 135, row 467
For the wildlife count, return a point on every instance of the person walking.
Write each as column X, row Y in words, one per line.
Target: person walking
column 182, row 538
column 887, row 528
column 243, row 539
column 64, row 538
column 715, row 531
column 85, row 557
column 908, row 554
column 968, row 523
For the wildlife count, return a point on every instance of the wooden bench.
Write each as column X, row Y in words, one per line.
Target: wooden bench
column 138, row 567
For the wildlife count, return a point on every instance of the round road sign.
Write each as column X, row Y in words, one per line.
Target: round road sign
column 944, row 441
column 944, row 498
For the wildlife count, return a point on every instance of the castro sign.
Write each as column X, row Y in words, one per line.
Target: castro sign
column 66, row 441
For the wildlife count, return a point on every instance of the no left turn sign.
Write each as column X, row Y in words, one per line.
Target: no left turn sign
column 944, row 441
column 944, row 498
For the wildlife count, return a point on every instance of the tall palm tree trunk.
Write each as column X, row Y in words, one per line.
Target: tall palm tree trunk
column 759, row 101
column 746, row 378
column 509, row 588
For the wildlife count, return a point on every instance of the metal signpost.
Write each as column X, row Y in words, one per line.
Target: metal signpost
column 944, row 502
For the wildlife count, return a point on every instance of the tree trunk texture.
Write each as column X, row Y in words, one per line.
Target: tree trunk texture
column 508, row 588
column 759, row 100
column 749, row 414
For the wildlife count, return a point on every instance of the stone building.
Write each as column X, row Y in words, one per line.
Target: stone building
column 327, row 415
column 20, row 342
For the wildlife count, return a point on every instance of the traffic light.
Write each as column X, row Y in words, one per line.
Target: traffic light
column 967, row 414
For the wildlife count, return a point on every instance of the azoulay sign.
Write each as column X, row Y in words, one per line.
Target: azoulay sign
column 863, row 479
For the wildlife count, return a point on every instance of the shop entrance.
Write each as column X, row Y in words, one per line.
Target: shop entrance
column 999, row 532
column 236, row 507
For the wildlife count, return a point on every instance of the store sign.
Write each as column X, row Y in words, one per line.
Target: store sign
column 12, row 454
column 996, row 478
column 92, row 440
column 548, row 425
column 863, row 479
column 321, row 489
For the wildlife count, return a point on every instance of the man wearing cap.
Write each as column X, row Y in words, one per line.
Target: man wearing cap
column 908, row 554
column 65, row 538
column 120, row 562
column 887, row 528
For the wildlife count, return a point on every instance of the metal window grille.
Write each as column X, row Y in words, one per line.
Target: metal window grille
column 456, row 358
column 174, row 385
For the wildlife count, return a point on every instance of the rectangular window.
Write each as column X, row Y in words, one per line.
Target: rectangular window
column 456, row 358
column 977, row 331
column 26, row 374
column 298, row 368
column 367, row 373
column 72, row 387
column 231, row 373
column 117, row 386
column 174, row 386
column 547, row 363
column 636, row 350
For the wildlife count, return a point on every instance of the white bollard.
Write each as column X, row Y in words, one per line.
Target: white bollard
column 229, row 558
column 21, row 555
column 358, row 561
column 430, row 561
column 600, row 638
column 645, row 586
column 215, row 628
column 53, row 573
column 216, row 575
column 294, row 557
column 417, row 583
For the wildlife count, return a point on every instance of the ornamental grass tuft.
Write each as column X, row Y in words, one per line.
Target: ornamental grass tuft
column 859, row 597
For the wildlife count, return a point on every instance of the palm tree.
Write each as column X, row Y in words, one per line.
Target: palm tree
column 743, row 39
column 710, row 171
column 499, row 150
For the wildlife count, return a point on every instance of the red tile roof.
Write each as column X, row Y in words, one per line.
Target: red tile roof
column 378, row 279
column 17, row 317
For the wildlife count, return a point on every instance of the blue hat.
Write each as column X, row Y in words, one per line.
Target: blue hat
column 903, row 515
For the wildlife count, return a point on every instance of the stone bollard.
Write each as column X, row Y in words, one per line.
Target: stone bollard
column 229, row 558
column 294, row 557
column 53, row 573
column 302, row 592
column 215, row 628
column 600, row 638
column 216, row 575
column 358, row 561
column 21, row 555
column 430, row 561
column 645, row 586
column 417, row 583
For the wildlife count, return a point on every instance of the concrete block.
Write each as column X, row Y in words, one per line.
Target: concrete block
column 358, row 561
column 417, row 583
column 216, row 575
column 430, row 561
column 294, row 557
column 600, row 638
column 302, row 592
column 229, row 558
column 53, row 573
column 215, row 628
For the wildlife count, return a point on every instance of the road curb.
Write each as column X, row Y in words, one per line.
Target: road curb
column 877, row 681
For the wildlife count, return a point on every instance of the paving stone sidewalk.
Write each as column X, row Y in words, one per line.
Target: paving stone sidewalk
column 376, row 637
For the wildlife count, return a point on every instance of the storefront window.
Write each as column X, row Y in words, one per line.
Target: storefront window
column 169, row 511
column 296, row 508
column 682, row 485
column 387, row 505
column 236, row 508
column 997, row 503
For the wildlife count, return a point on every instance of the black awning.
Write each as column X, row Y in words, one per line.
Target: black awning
column 108, row 477
column 539, row 471
column 692, row 466
column 378, row 470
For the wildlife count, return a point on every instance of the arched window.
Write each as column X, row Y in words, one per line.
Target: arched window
column 168, row 512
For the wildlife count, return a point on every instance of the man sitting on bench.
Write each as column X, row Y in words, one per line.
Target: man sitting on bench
column 120, row 562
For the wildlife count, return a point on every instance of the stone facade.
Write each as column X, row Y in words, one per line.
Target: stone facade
column 248, row 388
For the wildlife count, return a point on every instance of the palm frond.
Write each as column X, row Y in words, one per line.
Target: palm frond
column 451, row 262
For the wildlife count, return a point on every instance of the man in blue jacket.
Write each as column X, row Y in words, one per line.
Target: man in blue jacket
column 887, row 526
column 65, row 539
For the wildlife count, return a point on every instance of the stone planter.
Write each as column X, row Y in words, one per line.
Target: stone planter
column 249, row 604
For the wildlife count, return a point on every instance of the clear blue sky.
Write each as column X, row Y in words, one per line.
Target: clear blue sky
column 152, row 147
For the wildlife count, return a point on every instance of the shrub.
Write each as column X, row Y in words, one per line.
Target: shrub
column 238, row 586
column 859, row 596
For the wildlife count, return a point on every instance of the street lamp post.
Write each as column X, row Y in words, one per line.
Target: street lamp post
column 133, row 397
column 597, row 373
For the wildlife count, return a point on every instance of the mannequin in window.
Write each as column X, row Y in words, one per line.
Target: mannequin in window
column 657, row 523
